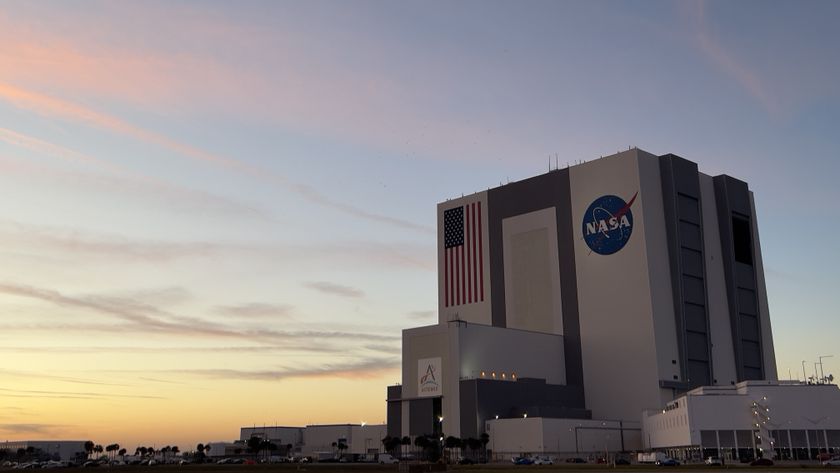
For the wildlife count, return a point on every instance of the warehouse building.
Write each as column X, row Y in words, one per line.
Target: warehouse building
column 788, row 420
column 61, row 450
column 316, row 441
column 595, row 292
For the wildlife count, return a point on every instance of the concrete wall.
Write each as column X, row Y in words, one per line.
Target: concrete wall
column 532, row 272
column 525, row 354
column 769, row 351
column 621, row 345
column 563, row 437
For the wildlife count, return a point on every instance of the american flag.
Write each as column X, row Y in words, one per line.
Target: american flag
column 463, row 269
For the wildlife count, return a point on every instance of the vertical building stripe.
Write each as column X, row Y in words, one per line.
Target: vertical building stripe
column 474, row 264
column 467, row 243
column 480, row 253
column 463, row 271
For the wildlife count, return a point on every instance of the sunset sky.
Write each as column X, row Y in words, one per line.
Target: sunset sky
column 220, row 214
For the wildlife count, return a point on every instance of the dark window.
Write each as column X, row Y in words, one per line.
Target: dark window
column 742, row 239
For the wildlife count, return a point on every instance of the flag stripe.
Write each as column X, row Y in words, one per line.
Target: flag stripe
column 455, row 275
column 468, row 276
column 449, row 263
column 463, row 285
column 445, row 277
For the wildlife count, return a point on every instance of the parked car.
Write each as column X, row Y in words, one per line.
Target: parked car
column 387, row 459
column 761, row 462
column 465, row 461
column 522, row 461
column 832, row 462
column 668, row 462
column 543, row 461
column 622, row 461
column 90, row 464
column 714, row 461
column 575, row 460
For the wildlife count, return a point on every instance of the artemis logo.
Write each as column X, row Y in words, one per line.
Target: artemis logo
column 608, row 223
column 428, row 377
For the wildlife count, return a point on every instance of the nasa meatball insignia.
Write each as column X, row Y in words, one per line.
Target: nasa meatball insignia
column 608, row 223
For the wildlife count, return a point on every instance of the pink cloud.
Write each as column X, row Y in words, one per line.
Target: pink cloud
column 727, row 62
column 301, row 89
column 53, row 107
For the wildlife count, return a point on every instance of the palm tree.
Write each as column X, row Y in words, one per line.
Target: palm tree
column 98, row 449
column 484, row 439
column 122, row 453
column 254, row 445
column 89, row 446
column 175, row 450
column 341, row 447
column 450, row 443
column 405, row 441
column 420, row 442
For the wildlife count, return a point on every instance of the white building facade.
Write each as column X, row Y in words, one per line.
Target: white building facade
column 599, row 291
column 787, row 420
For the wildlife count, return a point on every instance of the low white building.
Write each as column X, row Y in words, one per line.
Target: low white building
column 771, row 419
column 527, row 436
column 287, row 439
column 360, row 439
column 64, row 450
column 226, row 449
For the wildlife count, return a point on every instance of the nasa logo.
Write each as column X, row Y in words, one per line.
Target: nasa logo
column 608, row 223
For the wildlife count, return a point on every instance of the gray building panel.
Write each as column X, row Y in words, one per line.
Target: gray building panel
column 421, row 416
column 394, row 411
column 684, row 229
column 484, row 399
column 537, row 193
column 735, row 221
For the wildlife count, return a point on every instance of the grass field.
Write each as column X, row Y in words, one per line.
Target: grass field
column 494, row 468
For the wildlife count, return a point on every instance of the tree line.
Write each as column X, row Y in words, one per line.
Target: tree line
column 431, row 448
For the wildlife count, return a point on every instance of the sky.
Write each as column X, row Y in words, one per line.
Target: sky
column 221, row 214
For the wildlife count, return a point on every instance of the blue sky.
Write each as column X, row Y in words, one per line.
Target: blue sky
column 181, row 175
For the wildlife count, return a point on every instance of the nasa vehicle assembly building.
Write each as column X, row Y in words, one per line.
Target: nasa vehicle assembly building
column 575, row 305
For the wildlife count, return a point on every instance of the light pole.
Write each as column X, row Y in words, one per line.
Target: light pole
column 442, row 448
column 822, row 373
column 804, row 376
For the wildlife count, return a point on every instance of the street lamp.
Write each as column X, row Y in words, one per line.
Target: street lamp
column 822, row 373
